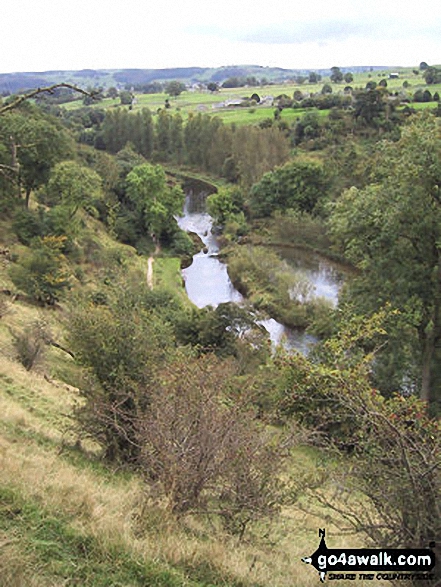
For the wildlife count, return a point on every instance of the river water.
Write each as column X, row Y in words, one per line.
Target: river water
column 207, row 281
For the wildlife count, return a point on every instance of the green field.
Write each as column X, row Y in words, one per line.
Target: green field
column 215, row 103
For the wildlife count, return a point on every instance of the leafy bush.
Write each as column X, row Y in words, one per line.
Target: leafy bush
column 392, row 447
column 297, row 184
column 42, row 272
column 27, row 225
column 122, row 344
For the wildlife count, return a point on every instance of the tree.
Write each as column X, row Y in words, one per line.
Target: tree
column 391, row 230
column 314, row 77
column 212, row 87
column 36, row 142
column 73, row 186
column 336, row 75
column 391, row 448
column 126, row 98
column 370, row 106
column 298, row 184
column 348, row 77
column 432, row 75
column 175, row 88
column 123, row 344
column 157, row 202
column 225, row 203
column 112, row 93
column 258, row 150
column 204, row 450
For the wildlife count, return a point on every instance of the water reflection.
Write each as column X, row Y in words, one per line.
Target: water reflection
column 207, row 281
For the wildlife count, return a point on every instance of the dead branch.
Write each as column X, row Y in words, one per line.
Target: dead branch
column 49, row 89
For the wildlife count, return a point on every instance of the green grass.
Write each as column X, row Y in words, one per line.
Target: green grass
column 45, row 548
column 242, row 116
column 167, row 275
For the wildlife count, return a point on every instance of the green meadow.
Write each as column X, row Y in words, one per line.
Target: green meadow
column 216, row 103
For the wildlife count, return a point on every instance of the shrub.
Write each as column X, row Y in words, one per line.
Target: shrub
column 42, row 272
column 31, row 342
column 122, row 344
column 27, row 225
column 203, row 450
column 392, row 447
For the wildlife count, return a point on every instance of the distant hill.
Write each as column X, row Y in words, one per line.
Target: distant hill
column 11, row 83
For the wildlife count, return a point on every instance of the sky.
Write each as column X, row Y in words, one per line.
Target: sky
column 42, row 35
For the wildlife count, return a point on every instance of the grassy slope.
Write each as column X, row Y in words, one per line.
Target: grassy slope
column 65, row 519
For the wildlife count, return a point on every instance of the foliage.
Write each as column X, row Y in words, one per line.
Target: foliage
column 122, row 344
column 298, row 228
column 392, row 447
column 373, row 108
column 41, row 273
column 36, row 143
column 31, row 342
column 73, row 186
column 257, row 151
column 224, row 204
column 126, row 98
column 174, row 88
column 391, row 230
column 27, row 225
column 299, row 184
column 270, row 284
column 432, row 75
column 336, row 75
column 155, row 201
column 215, row 330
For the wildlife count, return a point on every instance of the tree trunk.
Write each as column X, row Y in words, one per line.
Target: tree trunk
column 28, row 195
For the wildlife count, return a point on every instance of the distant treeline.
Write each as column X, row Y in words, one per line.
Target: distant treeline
column 204, row 142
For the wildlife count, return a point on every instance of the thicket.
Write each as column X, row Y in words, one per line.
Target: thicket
column 391, row 447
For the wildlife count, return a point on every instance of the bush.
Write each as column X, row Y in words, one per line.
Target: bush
column 31, row 342
column 203, row 450
column 27, row 225
column 299, row 184
column 42, row 273
column 122, row 344
column 182, row 245
column 392, row 448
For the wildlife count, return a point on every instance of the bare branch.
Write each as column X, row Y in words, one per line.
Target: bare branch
column 48, row 89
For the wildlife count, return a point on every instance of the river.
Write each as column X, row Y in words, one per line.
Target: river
column 207, row 281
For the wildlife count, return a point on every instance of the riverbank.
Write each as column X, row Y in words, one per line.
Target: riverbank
column 284, row 293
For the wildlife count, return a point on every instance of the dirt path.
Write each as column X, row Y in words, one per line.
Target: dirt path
column 150, row 272
column 150, row 262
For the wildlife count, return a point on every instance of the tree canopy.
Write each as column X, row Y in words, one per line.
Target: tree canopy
column 158, row 202
column 392, row 231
